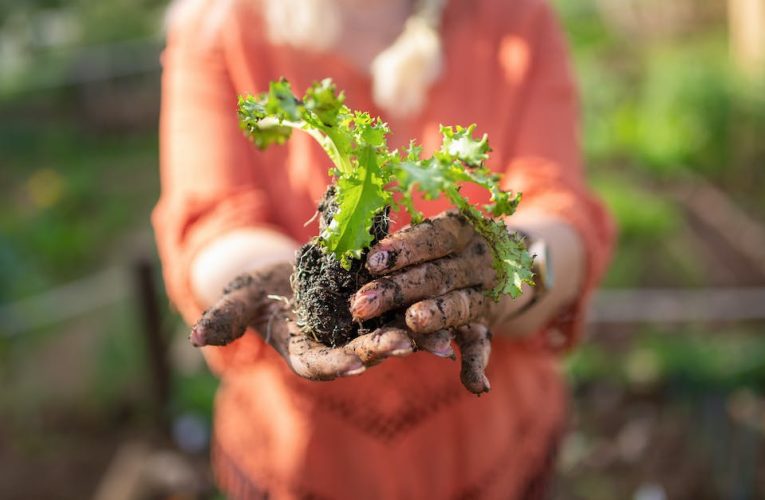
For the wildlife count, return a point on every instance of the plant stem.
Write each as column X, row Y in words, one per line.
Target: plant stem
column 324, row 139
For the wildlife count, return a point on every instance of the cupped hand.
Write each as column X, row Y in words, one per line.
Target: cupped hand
column 438, row 270
column 261, row 300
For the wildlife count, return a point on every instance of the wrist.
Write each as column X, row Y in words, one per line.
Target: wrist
column 240, row 251
column 560, row 273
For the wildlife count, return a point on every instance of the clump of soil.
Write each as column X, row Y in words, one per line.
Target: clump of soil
column 322, row 288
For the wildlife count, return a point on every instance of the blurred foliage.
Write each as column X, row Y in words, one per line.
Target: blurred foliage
column 655, row 109
column 75, row 196
column 44, row 43
column 653, row 247
column 194, row 392
column 687, row 361
column 668, row 105
column 80, row 22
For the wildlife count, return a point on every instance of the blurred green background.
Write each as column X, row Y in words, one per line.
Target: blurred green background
column 667, row 401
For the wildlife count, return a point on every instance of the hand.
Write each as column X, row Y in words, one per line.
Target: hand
column 261, row 300
column 440, row 270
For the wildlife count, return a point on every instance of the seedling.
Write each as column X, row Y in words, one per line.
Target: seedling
column 370, row 181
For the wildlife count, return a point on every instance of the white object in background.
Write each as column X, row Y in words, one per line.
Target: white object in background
column 403, row 73
column 650, row 491
column 746, row 25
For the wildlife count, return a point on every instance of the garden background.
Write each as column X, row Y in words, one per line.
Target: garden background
column 101, row 392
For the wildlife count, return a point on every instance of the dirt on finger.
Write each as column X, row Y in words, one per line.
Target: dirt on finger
column 431, row 239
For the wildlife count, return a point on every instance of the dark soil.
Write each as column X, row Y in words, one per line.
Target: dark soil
column 322, row 288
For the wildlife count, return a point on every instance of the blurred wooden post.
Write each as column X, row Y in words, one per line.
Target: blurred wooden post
column 746, row 25
column 156, row 343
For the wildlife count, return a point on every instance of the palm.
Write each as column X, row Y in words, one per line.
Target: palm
column 262, row 300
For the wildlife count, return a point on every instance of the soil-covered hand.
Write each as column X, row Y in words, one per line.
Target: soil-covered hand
column 262, row 300
column 439, row 270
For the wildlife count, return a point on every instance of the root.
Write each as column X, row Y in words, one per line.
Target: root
column 322, row 288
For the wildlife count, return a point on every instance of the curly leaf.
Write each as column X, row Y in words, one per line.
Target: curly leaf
column 461, row 159
column 324, row 102
column 512, row 261
column 367, row 172
column 359, row 198
column 459, row 144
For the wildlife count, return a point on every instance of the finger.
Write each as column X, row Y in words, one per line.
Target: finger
column 383, row 342
column 438, row 343
column 455, row 308
column 432, row 238
column 224, row 322
column 472, row 267
column 244, row 301
column 474, row 341
column 315, row 361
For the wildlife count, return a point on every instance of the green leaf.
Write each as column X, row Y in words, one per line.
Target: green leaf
column 251, row 113
column 282, row 103
column 512, row 261
column 367, row 173
column 458, row 143
column 461, row 159
column 323, row 101
column 359, row 198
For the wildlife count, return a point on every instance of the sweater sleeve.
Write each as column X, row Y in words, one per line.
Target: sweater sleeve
column 543, row 150
column 211, row 177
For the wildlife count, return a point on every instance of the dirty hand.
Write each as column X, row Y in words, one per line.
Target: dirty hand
column 439, row 270
column 261, row 300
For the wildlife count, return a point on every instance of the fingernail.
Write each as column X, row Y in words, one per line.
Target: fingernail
column 365, row 304
column 402, row 349
column 378, row 261
column 446, row 352
column 418, row 318
column 486, row 386
column 354, row 371
column 197, row 337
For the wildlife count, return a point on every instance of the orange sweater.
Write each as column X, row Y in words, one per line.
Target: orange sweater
column 407, row 428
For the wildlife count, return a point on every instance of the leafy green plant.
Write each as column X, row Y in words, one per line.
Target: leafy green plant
column 368, row 175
